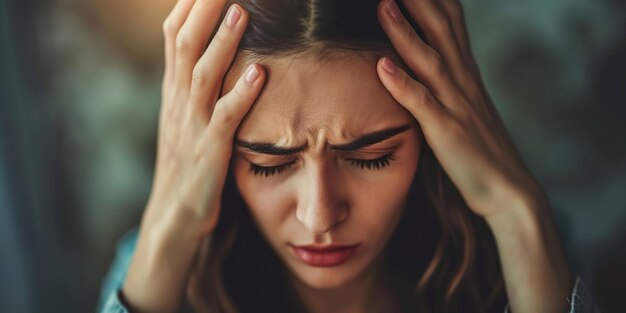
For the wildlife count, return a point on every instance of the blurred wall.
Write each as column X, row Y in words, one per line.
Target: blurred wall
column 78, row 119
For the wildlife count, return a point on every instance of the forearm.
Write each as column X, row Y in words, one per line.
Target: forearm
column 159, row 268
column 536, row 274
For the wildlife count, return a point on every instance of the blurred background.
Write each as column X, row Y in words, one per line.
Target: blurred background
column 79, row 101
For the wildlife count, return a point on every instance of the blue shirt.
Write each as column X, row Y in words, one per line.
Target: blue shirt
column 580, row 299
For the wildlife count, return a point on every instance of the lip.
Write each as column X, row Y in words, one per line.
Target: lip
column 324, row 256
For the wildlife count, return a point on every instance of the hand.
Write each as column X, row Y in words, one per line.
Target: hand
column 463, row 129
column 458, row 119
column 194, row 148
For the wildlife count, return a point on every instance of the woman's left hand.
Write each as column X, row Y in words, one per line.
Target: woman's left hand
column 464, row 131
column 452, row 106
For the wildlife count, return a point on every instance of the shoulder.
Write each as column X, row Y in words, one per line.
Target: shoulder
column 109, row 292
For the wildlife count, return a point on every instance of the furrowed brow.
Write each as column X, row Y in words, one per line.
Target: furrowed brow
column 361, row 142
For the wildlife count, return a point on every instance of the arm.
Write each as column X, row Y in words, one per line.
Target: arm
column 536, row 274
column 462, row 127
column 194, row 148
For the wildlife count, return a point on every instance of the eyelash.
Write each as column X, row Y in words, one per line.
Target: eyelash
column 375, row 163
column 269, row 170
column 362, row 164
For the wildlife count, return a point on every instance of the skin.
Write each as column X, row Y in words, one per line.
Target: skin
column 321, row 198
column 193, row 152
column 463, row 129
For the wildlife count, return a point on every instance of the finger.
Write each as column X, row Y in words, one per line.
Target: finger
column 216, row 60
column 192, row 39
column 454, row 10
column 232, row 107
column 171, row 25
column 412, row 95
column 473, row 87
column 421, row 58
column 465, row 76
column 439, row 33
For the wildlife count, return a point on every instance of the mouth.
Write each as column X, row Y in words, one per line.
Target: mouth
column 324, row 256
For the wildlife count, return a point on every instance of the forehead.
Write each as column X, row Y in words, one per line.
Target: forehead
column 341, row 96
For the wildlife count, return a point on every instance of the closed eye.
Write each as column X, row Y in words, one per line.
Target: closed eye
column 269, row 170
column 372, row 164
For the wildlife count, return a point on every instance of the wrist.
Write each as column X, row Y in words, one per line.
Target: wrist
column 521, row 211
column 525, row 199
column 531, row 254
column 158, row 271
column 168, row 222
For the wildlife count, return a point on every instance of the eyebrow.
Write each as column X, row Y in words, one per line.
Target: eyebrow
column 361, row 142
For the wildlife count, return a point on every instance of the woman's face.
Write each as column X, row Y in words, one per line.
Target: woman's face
column 321, row 192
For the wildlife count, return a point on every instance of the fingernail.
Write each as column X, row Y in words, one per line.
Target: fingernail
column 389, row 66
column 232, row 16
column 252, row 74
column 394, row 11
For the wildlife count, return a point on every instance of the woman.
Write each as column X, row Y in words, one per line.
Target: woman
column 372, row 174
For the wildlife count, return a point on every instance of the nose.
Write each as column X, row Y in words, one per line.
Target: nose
column 322, row 205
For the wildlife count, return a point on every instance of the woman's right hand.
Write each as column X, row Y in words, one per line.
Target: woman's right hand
column 195, row 140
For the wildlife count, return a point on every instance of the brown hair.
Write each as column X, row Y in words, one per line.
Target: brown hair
column 454, row 265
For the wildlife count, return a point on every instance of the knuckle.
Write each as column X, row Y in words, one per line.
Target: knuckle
column 454, row 130
column 441, row 27
column 465, row 112
column 410, row 34
column 169, row 30
column 422, row 95
column 448, row 30
column 182, row 43
column 406, row 83
column 223, row 116
column 219, row 39
column 442, row 21
column 199, row 77
column 435, row 65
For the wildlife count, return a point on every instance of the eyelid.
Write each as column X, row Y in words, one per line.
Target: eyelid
column 265, row 158
column 367, row 154
column 383, row 149
column 371, row 164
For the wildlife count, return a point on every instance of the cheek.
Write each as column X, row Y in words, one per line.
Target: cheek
column 383, row 200
column 268, row 203
column 380, row 205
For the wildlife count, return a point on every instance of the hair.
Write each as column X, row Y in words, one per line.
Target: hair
column 454, row 264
